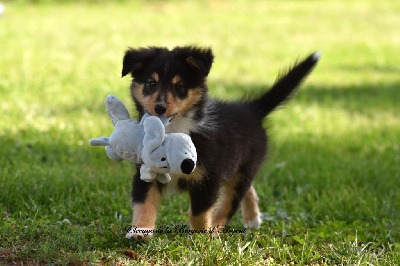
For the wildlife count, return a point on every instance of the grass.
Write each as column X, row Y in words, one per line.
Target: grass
column 328, row 193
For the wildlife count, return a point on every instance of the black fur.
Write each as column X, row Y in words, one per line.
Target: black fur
column 235, row 146
column 283, row 87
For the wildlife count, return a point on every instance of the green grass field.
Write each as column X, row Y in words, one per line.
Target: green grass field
column 329, row 192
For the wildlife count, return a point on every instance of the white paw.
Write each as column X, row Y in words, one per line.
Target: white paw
column 139, row 233
column 255, row 223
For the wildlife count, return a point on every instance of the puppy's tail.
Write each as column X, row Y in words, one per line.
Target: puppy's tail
column 284, row 86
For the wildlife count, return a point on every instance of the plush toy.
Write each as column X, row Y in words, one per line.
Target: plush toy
column 146, row 143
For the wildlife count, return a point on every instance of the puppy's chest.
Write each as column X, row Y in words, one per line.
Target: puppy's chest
column 180, row 125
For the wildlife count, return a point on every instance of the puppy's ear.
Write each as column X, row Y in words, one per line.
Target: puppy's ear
column 197, row 58
column 137, row 59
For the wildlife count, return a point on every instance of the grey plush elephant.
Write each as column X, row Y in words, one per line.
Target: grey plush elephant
column 161, row 155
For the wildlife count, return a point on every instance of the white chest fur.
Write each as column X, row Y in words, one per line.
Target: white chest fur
column 181, row 124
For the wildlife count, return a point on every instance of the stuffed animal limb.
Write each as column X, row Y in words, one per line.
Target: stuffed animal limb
column 148, row 175
column 104, row 141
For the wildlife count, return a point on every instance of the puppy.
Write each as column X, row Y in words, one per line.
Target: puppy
column 229, row 137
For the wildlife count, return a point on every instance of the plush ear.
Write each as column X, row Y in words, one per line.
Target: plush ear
column 116, row 110
column 137, row 59
column 197, row 58
column 154, row 133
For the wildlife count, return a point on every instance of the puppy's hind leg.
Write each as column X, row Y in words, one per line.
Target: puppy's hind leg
column 238, row 191
column 250, row 212
column 234, row 190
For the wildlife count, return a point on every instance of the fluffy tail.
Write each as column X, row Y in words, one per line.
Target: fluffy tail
column 284, row 86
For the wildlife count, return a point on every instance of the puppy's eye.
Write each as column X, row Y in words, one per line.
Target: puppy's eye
column 149, row 87
column 151, row 83
column 178, row 86
column 180, row 90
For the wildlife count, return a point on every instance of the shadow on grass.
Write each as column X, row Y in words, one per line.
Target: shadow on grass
column 363, row 98
column 358, row 99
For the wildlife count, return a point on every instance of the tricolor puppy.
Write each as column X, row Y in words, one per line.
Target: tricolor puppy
column 229, row 137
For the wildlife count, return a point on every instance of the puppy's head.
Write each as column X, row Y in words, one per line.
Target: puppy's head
column 168, row 82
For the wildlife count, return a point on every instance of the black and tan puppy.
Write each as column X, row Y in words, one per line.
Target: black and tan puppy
column 229, row 136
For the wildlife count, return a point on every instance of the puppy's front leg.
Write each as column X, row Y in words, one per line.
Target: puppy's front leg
column 146, row 200
column 202, row 201
column 200, row 220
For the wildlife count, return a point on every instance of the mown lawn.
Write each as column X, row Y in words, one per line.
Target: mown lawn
column 329, row 191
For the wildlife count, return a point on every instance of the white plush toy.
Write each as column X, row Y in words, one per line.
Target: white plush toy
column 146, row 143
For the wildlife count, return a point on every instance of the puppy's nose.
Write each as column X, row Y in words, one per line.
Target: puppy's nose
column 160, row 109
column 187, row 166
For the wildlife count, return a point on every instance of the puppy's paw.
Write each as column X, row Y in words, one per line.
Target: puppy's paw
column 254, row 223
column 139, row 233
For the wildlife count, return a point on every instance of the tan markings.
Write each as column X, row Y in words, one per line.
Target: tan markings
column 201, row 221
column 196, row 176
column 173, row 105
column 145, row 214
column 176, row 79
column 137, row 93
column 250, row 205
column 155, row 77
column 221, row 216
column 193, row 97
column 152, row 103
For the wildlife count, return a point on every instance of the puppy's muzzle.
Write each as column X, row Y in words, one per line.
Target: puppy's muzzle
column 187, row 166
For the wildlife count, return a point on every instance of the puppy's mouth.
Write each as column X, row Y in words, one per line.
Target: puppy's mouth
column 172, row 117
column 165, row 119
